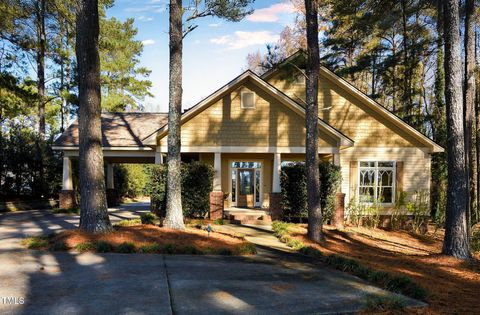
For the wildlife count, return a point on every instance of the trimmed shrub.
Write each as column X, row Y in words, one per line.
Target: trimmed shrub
column 150, row 248
column 247, row 249
column 126, row 248
column 35, row 242
column 129, row 222
column 148, row 218
column 58, row 246
column 197, row 183
column 85, row 247
column 294, row 190
column 103, row 247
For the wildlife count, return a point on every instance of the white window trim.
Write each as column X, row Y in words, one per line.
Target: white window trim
column 394, row 181
column 254, row 99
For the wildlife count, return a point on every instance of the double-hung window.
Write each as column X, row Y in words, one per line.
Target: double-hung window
column 376, row 181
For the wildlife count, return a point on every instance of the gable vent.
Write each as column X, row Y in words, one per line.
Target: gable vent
column 248, row 100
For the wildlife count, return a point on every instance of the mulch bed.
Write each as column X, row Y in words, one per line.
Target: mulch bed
column 145, row 235
column 453, row 285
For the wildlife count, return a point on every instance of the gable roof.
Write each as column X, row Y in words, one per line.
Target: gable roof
column 372, row 104
column 118, row 129
column 343, row 140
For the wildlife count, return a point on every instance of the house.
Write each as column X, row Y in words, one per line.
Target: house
column 253, row 124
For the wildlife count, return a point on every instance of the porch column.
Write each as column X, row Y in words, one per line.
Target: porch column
column 336, row 159
column 216, row 196
column 110, row 183
column 67, row 174
column 158, row 156
column 277, row 161
column 67, row 195
column 217, row 179
column 275, row 208
column 112, row 195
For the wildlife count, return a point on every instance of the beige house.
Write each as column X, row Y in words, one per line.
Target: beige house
column 250, row 126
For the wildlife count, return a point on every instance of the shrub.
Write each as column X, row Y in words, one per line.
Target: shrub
column 130, row 179
column 294, row 190
column 310, row 251
column 126, row 248
column 280, row 228
column 35, row 242
column 197, row 179
column 224, row 251
column 247, row 249
column 129, row 222
column 169, row 249
column 191, row 250
column 103, row 247
column 150, row 248
column 85, row 247
column 148, row 218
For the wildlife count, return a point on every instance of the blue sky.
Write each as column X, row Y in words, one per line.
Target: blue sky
column 213, row 54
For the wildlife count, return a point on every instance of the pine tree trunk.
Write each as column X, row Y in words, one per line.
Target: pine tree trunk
column 174, row 217
column 315, row 219
column 40, row 11
column 93, row 203
column 456, row 241
column 469, row 101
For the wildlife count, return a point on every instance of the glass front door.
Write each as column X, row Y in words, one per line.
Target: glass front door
column 246, row 184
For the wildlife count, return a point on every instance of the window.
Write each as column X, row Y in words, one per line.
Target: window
column 248, row 99
column 376, row 181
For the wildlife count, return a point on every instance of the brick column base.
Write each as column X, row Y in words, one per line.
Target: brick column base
column 67, row 199
column 339, row 214
column 216, row 205
column 275, row 206
column 112, row 198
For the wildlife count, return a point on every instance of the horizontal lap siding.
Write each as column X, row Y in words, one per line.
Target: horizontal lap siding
column 270, row 124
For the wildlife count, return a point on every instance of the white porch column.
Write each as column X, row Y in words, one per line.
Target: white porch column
column 110, row 183
column 336, row 159
column 67, row 183
column 158, row 156
column 217, row 179
column 277, row 161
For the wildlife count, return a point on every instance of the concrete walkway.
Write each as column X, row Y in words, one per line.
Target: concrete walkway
column 274, row 282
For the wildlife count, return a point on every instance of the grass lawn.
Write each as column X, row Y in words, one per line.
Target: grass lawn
column 138, row 238
column 452, row 285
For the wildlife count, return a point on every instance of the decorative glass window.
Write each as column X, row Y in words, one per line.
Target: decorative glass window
column 248, row 99
column 376, row 181
column 246, row 165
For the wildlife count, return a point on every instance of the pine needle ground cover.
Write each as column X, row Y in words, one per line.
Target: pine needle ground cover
column 451, row 285
column 146, row 238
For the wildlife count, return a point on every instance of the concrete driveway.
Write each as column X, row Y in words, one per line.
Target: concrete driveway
column 273, row 282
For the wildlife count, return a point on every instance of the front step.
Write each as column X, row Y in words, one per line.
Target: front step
column 260, row 218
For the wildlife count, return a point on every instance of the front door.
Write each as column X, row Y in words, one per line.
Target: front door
column 246, row 184
column 246, row 191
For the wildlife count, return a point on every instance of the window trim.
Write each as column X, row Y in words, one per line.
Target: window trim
column 241, row 99
column 376, row 168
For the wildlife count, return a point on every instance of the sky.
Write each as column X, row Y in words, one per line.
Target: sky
column 213, row 54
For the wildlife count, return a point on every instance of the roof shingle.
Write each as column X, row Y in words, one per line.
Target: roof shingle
column 118, row 129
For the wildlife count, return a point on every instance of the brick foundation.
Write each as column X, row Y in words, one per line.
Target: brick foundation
column 113, row 199
column 67, row 199
column 339, row 214
column 275, row 206
column 216, row 205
